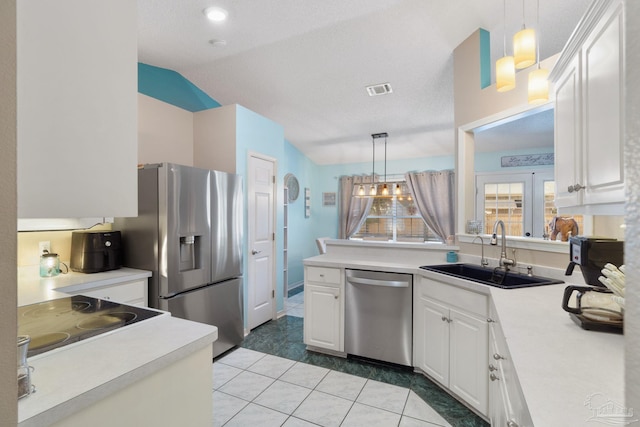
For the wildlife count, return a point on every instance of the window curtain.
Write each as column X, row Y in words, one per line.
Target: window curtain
column 433, row 193
column 352, row 211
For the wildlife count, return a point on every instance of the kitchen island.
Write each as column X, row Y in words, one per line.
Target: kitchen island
column 567, row 375
column 154, row 372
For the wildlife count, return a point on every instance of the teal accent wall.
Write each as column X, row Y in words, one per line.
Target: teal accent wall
column 302, row 231
column 485, row 59
column 170, row 87
column 255, row 133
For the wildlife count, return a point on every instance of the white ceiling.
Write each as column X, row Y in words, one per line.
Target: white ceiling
column 305, row 64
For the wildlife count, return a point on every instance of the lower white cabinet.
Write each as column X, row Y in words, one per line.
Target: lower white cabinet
column 450, row 341
column 132, row 293
column 508, row 407
column 324, row 308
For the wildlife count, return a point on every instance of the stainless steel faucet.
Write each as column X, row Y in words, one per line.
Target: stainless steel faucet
column 504, row 261
column 483, row 261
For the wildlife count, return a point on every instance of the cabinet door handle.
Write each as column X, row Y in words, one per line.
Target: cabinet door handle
column 512, row 423
column 492, row 368
column 493, row 377
column 490, row 320
column 444, row 319
column 335, row 296
column 576, row 187
column 496, row 356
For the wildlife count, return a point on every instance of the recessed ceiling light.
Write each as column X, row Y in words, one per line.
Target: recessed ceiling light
column 216, row 14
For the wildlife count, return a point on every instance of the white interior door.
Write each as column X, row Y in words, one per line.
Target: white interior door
column 261, row 224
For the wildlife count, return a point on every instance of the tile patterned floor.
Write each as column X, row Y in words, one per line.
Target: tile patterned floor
column 294, row 305
column 274, row 380
column 257, row 389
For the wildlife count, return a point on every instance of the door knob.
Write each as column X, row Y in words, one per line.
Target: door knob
column 255, row 252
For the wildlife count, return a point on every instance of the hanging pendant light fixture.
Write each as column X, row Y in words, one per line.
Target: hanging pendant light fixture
column 524, row 45
column 385, row 189
column 538, row 88
column 505, row 66
column 372, row 188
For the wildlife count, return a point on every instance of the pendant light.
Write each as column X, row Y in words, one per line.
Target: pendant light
column 505, row 67
column 372, row 189
column 538, row 88
column 524, row 46
column 385, row 189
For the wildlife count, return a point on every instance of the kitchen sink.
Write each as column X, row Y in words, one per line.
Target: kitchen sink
column 490, row 276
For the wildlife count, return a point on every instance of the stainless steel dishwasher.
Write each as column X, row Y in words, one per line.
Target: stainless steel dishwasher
column 378, row 315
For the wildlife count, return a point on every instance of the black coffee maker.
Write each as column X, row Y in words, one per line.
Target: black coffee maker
column 591, row 254
column 593, row 308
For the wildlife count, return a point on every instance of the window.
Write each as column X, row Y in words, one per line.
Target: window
column 523, row 201
column 395, row 219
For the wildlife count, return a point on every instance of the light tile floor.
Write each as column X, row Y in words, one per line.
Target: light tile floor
column 257, row 389
column 294, row 305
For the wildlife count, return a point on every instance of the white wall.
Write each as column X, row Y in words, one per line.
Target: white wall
column 215, row 132
column 8, row 215
column 165, row 132
column 632, row 240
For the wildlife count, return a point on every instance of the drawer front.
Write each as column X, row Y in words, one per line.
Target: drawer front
column 470, row 301
column 127, row 293
column 323, row 275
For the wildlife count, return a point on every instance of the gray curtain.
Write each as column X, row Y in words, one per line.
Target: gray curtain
column 352, row 211
column 433, row 193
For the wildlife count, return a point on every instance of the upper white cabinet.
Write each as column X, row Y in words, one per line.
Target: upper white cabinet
column 77, row 108
column 589, row 116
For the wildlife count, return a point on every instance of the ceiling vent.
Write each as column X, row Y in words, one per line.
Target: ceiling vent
column 379, row 89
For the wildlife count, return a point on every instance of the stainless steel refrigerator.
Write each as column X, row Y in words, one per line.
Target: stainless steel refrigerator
column 189, row 234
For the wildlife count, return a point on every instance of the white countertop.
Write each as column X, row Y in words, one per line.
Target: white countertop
column 73, row 377
column 559, row 365
column 33, row 289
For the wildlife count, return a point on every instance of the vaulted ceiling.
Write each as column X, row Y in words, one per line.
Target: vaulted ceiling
column 305, row 64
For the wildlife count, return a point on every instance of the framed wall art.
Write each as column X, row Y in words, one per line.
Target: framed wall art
column 328, row 199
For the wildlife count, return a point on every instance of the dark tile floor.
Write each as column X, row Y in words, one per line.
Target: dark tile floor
column 283, row 337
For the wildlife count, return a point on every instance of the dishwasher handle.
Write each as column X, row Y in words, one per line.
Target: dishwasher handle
column 374, row 282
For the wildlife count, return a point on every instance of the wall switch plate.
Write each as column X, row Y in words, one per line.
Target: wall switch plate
column 44, row 246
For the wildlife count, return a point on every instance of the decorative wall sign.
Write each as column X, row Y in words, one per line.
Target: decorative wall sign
column 328, row 199
column 527, row 160
column 307, row 203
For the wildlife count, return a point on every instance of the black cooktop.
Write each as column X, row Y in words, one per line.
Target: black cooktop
column 64, row 321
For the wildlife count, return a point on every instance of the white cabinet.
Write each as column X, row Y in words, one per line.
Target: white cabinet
column 589, row 118
column 132, row 293
column 324, row 308
column 508, row 407
column 450, row 339
column 77, row 109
